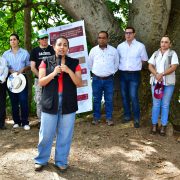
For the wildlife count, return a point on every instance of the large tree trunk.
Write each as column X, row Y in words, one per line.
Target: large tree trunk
column 96, row 17
column 150, row 19
column 27, row 44
column 27, row 25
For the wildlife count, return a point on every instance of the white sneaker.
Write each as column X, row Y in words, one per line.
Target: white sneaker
column 16, row 126
column 27, row 127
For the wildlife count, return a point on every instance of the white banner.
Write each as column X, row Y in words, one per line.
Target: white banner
column 75, row 32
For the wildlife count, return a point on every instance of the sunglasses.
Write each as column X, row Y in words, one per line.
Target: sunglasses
column 43, row 38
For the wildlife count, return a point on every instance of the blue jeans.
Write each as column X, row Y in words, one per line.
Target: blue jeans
column 162, row 105
column 129, row 85
column 20, row 99
column 100, row 86
column 61, row 126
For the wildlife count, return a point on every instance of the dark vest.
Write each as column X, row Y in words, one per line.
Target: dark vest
column 50, row 91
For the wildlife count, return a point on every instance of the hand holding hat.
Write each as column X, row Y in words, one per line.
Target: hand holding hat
column 16, row 82
column 159, row 90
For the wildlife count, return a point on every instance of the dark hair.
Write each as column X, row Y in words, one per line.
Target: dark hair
column 61, row 37
column 14, row 34
column 107, row 35
column 129, row 27
column 167, row 37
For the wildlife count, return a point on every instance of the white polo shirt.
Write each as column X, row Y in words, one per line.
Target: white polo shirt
column 131, row 56
column 103, row 62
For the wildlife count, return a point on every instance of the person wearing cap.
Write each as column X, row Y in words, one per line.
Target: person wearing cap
column 162, row 66
column 18, row 63
column 3, row 76
column 103, row 61
column 133, row 55
column 36, row 56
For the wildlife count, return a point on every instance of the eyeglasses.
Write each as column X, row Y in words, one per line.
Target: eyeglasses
column 43, row 38
column 129, row 33
column 164, row 42
column 102, row 37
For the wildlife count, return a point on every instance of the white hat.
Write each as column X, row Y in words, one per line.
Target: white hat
column 16, row 82
column 42, row 33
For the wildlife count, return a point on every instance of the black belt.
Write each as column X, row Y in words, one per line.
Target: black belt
column 104, row 78
column 130, row 71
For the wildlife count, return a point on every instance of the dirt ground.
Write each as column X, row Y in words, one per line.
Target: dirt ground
column 98, row 152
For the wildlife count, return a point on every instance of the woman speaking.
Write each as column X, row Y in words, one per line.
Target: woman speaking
column 60, row 76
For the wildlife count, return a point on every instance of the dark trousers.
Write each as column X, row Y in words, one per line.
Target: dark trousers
column 2, row 104
column 129, row 85
column 20, row 101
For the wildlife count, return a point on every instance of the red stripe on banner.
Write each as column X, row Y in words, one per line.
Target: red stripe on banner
column 84, row 71
column 54, row 36
column 76, row 49
column 69, row 33
column 82, row 97
column 72, row 33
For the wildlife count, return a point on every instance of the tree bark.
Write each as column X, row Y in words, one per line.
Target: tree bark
column 96, row 17
column 27, row 25
column 150, row 19
column 27, row 44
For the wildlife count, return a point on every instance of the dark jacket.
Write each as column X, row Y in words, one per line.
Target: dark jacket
column 50, row 91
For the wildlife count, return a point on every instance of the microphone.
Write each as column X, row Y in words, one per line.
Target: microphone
column 58, row 60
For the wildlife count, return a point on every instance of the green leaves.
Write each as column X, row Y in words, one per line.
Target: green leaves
column 120, row 9
column 2, row 14
column 44, row 14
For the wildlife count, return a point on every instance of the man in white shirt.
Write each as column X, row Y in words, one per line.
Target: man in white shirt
column 132, row 54
column 103, row 61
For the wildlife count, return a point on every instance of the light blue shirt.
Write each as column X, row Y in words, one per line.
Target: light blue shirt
column 17, row 61
column 3, row 70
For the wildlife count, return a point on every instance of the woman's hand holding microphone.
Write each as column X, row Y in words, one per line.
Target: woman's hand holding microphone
column 57, row 70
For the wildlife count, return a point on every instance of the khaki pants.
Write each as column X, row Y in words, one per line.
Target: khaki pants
column 37, row 98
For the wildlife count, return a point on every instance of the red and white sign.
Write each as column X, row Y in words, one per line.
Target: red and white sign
column 75, row 32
